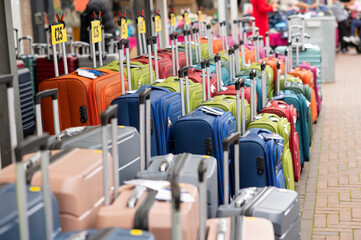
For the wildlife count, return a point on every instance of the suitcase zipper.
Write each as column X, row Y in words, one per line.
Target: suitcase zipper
column 141, row 216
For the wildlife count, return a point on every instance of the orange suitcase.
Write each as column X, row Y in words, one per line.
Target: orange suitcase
column 272, row 62
column 307, row 78
column 81, row 99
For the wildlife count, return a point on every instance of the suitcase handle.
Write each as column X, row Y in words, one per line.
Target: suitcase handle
column 53, row 93
column 9, row 82
column 110, row 114
column 176, row 215
column 243, row 53
column 226, row 143
column 237, row 59
column 173, row 37
column 264, row 84
column 25, row 147
column 217, row 58
column 241, row 124
column 209, row 39
column 202, row 169
column 286, row 68
column 278, row 77
column 125, row 43
column 183, row 76
column 145, row 127
column 30, row 39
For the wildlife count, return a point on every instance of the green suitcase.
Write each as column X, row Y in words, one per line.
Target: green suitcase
column 288, row 167
column 195, row 90
column 228, row 103
column 139, row 72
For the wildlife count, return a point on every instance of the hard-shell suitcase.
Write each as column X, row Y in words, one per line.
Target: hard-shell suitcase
column 201, row 76
column 237, row 227
column 26, row 101
column 136, row 207
column 280, row 206
column 281, row 109
column 89, row 138
column 81, row 99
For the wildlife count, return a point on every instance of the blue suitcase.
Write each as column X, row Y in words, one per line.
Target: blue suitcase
column 261, row 159
column 26, row 101
column 300, row 103
column 166, row 109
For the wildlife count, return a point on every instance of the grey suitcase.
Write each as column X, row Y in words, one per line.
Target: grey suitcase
column 162, row 167
column 280, row 206
column 90, row 138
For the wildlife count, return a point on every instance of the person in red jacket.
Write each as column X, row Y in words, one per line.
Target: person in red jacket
column 260, row 10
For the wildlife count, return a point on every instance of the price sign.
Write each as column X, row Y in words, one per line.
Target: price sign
column 200, row 16
column 58, row 33
column 124, row 29
column 173, row 21
column 141, row 25
column 96, row 31
column 157, row 24
column 187, row 20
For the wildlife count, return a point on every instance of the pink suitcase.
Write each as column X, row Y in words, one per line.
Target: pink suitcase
column 276, row 40
column 237, row 227
column 136, row 207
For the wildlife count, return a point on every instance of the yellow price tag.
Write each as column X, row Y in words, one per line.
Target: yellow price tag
column 173, row 21
column 200, row 16
column 96, row 31
column 187, row 20
column 124, row 29
column 58, row 34
column 141, row 25
column 136, row 232
column 157, row 24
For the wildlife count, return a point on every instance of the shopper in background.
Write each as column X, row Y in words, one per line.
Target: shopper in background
column 286, row 5
column 341, row 15
column 87, row 16
column 260, row 11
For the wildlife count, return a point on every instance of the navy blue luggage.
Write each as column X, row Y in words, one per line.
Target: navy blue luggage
column 166, row 109
column 201, row 132
column 26, row 101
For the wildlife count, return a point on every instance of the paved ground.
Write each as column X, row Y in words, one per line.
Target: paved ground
column 330, row 184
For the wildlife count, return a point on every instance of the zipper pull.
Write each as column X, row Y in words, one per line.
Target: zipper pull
column 166, row 162
column 136, row 194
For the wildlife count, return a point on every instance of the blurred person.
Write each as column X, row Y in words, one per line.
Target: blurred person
column 286, row 5
column 107, row 17
column 341, row 15
column 260, row 12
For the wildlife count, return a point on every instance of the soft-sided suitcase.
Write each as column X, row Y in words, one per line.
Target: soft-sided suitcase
column 135, row 206
column 45, row 67
column 200, row 133
column 302, row 126
column 81, row 99
column 280, row 206
column 282, row 109
column 26, row 101
column 236, row 227
column 272, row 62
column 307, row 78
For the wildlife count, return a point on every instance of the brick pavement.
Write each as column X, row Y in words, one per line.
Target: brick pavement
column 330, row 184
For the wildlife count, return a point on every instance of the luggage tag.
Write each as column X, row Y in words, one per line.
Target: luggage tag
column 212, row 111
column 279, row 97
column 165, row 194
column 92, row 74
column 151, row 184
column 268, row 136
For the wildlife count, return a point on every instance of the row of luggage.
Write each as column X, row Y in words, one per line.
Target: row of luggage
column 173, row 123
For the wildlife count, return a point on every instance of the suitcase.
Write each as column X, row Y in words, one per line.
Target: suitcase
column 280, row 206
column 138, row 207
column 26, row 101
column 45, row 67
column 28, row 60
column 20, row 64
column 47, row 227
column 284, row 110
column 315, row 71
column 236, row 227
column 307, row 78
column 139, row 73
column 195, row 90
column 272, row 62
column 205, row 78
column 88, row 97
column 200, row 132
column 302, row 125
